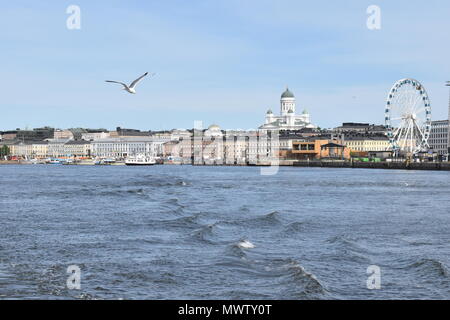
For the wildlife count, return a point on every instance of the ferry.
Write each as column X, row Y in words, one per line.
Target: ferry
column 140, row 160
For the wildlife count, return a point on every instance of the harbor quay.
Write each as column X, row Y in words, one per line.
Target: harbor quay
column 390, row 165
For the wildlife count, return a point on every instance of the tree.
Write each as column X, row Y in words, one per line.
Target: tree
column 4, row 151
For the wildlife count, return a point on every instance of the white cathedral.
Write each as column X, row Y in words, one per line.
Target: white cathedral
column 287, row 120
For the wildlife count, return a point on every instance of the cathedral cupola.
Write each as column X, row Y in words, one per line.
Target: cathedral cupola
column 287, row 102
column 287, row 94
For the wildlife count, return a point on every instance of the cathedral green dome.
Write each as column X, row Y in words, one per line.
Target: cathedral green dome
column 287, row 94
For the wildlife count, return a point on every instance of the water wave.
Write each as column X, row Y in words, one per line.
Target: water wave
column 270, row 219
column 160, row 182
column 429, row 267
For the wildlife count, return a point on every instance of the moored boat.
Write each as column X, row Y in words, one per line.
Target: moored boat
column 140, row 160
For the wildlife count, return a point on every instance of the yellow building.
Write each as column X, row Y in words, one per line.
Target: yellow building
column 367, row 143
column 21, row 149
column 40, row 149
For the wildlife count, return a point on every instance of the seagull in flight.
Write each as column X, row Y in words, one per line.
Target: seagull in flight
column 130, row 88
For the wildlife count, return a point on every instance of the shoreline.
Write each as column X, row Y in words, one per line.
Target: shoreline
column 428, row 166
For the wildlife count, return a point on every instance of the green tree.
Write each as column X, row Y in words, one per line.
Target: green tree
column 4, row 151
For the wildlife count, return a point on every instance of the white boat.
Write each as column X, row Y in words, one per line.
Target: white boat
column 52, row 161
column 140, row 160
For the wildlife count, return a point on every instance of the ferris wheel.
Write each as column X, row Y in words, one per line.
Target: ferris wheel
column 408, row 117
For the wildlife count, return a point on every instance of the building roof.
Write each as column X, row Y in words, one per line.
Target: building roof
column 332, row 145
column 78, row 142
column 360, row 137
column 287, row 94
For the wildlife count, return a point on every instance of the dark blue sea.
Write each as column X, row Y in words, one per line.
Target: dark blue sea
column 183, row 232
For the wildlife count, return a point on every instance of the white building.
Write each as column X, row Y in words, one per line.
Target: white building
column 92, row 136
column 438, row 139
column 288, row 119
column 56, row 147
column 127, row 146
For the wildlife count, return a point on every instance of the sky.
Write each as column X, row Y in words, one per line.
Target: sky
column 217, row 61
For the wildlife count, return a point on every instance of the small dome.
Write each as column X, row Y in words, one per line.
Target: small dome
column 214, row 127
column 287, row 94
column 269, row 111
column 305, row 111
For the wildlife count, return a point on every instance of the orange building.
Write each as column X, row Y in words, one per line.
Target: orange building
column 320, row 149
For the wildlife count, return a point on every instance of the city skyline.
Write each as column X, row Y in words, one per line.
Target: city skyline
column 222, row 62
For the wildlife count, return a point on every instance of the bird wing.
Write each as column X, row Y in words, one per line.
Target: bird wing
column 117, row 82
column 134, row 83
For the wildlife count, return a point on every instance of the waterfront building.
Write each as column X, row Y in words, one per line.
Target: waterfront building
column 366, row 142
column 170, row 149
column 287, row 137
column 21, row 149
column 179, row 150
column 288, row 119
column 214, row 146
column 319, row 148
column 121, row 147
column 56, row 148
column 236, row 147
column 439, row 137
column 448, row 131
column 51, row 148
column 39, row 149
column 263, row 146
column 77, row 148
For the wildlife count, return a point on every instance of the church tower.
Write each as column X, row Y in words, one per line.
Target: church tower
column 287, row 103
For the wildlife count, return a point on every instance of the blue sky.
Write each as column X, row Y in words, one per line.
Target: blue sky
column 223, row 62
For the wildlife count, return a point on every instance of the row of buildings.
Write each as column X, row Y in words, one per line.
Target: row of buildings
column 286, row 136
column 210, row 145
